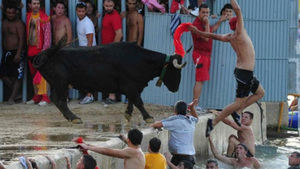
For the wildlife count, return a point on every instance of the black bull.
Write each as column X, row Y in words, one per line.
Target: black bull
column 115, row 68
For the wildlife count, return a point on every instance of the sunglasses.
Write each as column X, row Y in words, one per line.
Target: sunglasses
column 81, row 3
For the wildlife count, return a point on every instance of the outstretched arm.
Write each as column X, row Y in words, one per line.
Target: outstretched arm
column 168, row 159
column 237, row 10
column 224, row 38
column 233, row 124
column 192, row 107
column 228, row 122
column 217, row 25
column 157, row 124
column 256, row 164
column 217, row 155
column 108, row 151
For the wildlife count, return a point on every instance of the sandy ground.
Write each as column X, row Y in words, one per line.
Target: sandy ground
column 27, row 128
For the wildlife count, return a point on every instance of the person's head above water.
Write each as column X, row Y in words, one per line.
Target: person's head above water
column 185, row 165
column 294, row 159
column 211, row 164
column 247, row 118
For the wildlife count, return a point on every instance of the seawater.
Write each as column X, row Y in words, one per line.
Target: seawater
column 268, row 158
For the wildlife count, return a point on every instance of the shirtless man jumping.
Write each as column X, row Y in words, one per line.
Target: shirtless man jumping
column 12, row 65
column 246, row 82
column 242, row 158
column 134, row 23
column 61, row 25
column 133, row 155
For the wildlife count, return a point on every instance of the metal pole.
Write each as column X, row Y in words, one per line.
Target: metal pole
column 73, row 18
column 24, row 88
column 123, row 9
column 47, row 7
column 1, row 83
column 170, row 1
column 100, row 9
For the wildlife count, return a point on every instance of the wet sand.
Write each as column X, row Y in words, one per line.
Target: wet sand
column 31, row 129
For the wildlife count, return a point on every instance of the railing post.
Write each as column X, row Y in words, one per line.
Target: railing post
column 100, row 9
column 72, row 16
column 73, row 19
column 47, row 7
column 1, row 82
column 123, row 9
column 24, row 88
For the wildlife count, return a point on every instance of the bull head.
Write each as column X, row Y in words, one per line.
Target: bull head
column 44, row 56
column 173, row 73
column 178, row 66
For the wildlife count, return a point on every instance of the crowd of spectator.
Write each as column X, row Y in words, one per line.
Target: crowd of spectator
column 41, row 31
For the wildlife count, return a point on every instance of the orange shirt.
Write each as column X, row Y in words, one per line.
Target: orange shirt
column 155, row 161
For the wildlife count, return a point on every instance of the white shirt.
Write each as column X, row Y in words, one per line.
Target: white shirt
column 84, row 27
column 181, row 128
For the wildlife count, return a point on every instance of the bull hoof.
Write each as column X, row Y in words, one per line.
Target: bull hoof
column 128, row 117
column 76, row 121
column 149, row 120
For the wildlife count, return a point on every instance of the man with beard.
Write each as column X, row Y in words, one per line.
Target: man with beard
column 38, row 29
column 61, row 25
column 11, row 69
column 111, row 32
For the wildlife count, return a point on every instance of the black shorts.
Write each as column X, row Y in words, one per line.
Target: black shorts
column 246, row 82
column 176, row 158
column 9, row 68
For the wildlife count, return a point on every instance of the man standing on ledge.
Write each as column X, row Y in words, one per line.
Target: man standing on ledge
column 203, row 48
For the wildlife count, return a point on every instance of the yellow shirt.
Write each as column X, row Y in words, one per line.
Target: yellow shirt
column 155, row 161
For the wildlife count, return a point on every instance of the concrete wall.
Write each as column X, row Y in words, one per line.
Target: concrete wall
column 219, row 135
column 273, row 111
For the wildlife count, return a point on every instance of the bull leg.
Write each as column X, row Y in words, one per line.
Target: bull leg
column 128, row 112
column 140, row 105
column 60, row 100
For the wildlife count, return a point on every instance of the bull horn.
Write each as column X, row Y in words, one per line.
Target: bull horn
column 176, row 65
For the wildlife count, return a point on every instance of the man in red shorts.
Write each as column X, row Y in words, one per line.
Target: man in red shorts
column 203, row 48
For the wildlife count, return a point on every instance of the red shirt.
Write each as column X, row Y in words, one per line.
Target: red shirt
column 42, row 33
column 110, row 23
column 200, row 45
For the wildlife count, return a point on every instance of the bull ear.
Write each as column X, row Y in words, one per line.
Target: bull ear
column 62, row 42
